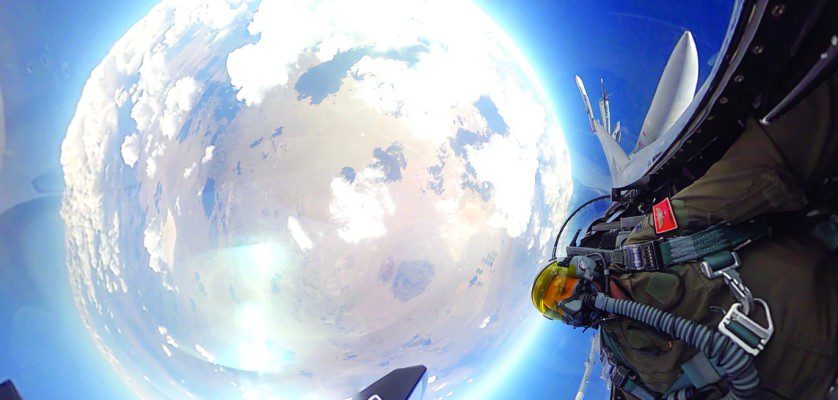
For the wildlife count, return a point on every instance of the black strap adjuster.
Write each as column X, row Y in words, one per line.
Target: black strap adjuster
column 643, row 256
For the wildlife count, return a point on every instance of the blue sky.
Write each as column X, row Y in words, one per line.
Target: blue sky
column 50, row 47
column 624, row 43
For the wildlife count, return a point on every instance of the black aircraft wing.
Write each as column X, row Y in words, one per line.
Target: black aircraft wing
column 399, row 384
column 8, row 391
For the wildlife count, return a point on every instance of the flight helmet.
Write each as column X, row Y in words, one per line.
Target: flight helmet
column 554, row 283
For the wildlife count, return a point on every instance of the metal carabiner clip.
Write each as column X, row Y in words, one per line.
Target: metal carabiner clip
column 744, row 331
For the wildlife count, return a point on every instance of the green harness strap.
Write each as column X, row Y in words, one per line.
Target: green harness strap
column 708, row 242
column 664, row 253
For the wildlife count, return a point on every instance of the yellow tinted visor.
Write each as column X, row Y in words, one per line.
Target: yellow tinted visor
column 552, row 284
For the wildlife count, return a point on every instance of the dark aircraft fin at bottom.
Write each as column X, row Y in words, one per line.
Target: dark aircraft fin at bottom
column 8, row 391
column 399, row 384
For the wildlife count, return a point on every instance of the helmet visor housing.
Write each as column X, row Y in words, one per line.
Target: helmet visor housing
column 553, row 284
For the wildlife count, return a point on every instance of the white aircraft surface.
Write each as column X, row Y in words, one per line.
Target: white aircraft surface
column 675, row 91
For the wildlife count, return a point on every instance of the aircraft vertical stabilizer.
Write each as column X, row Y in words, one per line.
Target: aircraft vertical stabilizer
column 674, row 93
column 614, row 154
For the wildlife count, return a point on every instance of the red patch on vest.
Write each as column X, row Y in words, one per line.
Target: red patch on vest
column 664, row 217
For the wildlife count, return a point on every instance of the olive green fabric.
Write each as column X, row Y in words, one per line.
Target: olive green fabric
column 768, row 169
column 664, row 288
column 658, row 364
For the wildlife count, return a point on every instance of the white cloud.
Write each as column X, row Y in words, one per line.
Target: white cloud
column 130, row 149
column 151, row 162
column 188, row 171
column 109, row 250
column 154, row 79
column 511, row 170
column 150, row 167
column 255, row 72
column 340, row 42
column 485, row 322
column 166, row 350
column 207, row 155
column 159, row 239
column 179, row 102
column 204, row 353
column 299, row 234
column 216, row 15
column 287, row 29
column 171, row 341
column 428, row 94
column 384, row 84
column 359, row 207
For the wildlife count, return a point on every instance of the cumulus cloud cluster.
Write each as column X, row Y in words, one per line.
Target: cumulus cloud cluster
column 141, row 72
column 159, row 238
column 130, row 150
column 512, row 174
column 180, row 99
column 287, row 30
column 360, row 207
column 208, row 151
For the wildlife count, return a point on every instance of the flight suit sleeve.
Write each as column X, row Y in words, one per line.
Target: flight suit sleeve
column 751, row 179
column 769, row 168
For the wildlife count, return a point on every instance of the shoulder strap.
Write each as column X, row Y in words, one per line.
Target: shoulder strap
column 664, row 253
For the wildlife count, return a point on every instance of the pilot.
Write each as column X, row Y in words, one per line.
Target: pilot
column 772, row 175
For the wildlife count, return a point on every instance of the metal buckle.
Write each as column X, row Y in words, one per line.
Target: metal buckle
column 643, row 256
column 739, row 290
column 622, row 375
column 710, row 273
column 735, row 320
